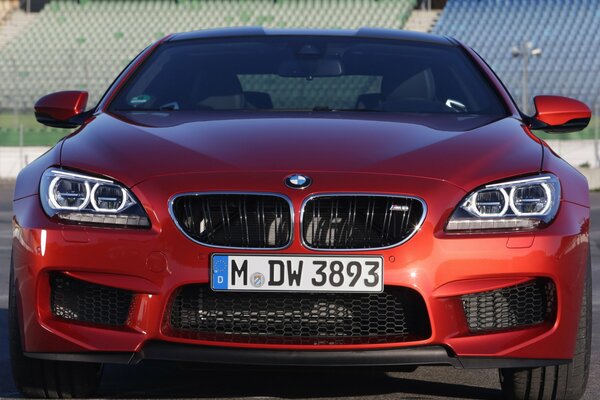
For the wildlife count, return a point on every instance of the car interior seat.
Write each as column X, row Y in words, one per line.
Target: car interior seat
column 216, row 90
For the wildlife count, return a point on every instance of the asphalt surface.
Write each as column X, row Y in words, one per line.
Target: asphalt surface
column 170, row 380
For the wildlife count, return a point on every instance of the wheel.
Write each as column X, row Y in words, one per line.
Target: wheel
column 558, row 382
column 44, row 378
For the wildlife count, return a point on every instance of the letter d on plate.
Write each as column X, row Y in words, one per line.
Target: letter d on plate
column 220, row 278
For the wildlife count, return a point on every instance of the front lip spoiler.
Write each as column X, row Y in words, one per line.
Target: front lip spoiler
column 423, row 355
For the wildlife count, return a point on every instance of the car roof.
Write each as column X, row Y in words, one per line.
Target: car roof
column 376, row 33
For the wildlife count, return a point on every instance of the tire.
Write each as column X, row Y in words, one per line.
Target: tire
column 558, row 382
column 44, row 378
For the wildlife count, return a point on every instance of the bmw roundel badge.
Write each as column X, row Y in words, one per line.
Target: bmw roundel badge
column 298, row 181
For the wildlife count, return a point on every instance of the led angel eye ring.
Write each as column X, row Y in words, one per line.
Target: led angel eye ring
column 95, row 205
column 473, row 206
column 57, row 206
column 546, row 208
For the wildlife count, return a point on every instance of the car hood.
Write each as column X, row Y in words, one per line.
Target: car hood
column 466, row 151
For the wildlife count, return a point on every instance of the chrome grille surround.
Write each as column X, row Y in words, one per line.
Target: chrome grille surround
column 174, row 198
column 416, row 228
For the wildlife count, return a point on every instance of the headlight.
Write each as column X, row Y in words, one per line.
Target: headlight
column 88, row 200
column 514, row 205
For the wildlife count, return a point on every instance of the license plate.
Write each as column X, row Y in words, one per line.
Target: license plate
column 296, row 273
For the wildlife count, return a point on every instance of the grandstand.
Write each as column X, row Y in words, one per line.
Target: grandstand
column 84, row 45
column 422, row 20
column 567, row 32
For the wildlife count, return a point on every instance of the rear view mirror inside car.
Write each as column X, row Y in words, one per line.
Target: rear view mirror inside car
column 314, row 68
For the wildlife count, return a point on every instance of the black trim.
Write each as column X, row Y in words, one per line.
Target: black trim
column 47, row 120
column 89, row 357
column 574, row 125
column 425, row 355
column 364, row 32
column 429, row 355
column 73, row 122
column 493, row 362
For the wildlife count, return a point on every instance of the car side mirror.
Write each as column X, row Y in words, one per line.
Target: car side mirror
column 556, row 114
column 60, row 109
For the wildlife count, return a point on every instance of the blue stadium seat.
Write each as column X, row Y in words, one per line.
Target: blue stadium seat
column 567, row 31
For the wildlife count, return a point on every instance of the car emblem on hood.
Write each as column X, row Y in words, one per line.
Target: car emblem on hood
column 297, row 181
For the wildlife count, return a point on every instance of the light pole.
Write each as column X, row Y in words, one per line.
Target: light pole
column 525, row 52
column 596, row 133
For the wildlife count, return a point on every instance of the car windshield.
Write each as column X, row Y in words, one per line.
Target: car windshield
column 309, row 73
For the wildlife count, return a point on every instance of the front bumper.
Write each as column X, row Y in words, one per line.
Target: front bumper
column 441, row 268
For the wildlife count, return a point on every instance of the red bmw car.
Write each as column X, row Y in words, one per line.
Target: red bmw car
column 366, row 198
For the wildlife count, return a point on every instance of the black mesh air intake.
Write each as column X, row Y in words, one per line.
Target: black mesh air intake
column 526, row 304
column 396, row 315
column 235, row 220
column 82, row 301
column 360, row 222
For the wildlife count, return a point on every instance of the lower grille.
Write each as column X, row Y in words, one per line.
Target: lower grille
column 396, row 315
column 335, row 222
column 81, row 301
column 526, row 304
column 235, row 220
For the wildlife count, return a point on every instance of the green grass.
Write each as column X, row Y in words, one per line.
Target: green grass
column 36, row 134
